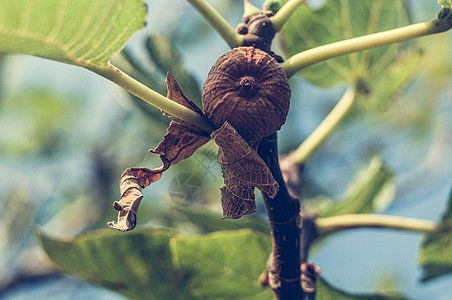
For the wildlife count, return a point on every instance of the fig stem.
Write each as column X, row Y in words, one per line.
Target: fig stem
column 319, row 54
column 218, row 23
column 150, row 96
column 324, row 130
column 345, row 222
column 284, row 13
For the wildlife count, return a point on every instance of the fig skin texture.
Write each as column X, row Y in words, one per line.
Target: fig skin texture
column 249, row 89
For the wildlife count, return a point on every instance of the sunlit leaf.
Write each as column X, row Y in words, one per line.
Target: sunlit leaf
column 80, row 32
column 224, row 264
column 137, row 265
column 372, row 189
column 436, row 252
column 445, row 3
column 325, row 291
column 339, row 20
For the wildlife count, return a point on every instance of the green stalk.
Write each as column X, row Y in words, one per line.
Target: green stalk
column 150, row 96
column 218, row 22
column 353, row 221
column 312, row 143
column 284, row 13
column 315, row 55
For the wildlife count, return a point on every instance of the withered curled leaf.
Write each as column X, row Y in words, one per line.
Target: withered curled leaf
column 131, row 183
column 182, row 138
column 180, row 141
column 243, row 169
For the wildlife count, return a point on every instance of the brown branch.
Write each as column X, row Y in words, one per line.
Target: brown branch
column 283, row 211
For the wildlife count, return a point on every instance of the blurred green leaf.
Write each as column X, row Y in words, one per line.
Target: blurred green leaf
column 436, row 251
column 339, row 20
column 372, row 189
column 206, row 221
column 376, row 92
column 77, row 32
column 164, row 54
column 326, row 292
column 224, row 264
column 34, row 120
column 135, row 264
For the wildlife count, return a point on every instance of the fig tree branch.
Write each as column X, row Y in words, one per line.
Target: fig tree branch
column 218, row 22
column 334, row 118
column 352, row 221
column 150, row 96
column 318, row 54
column 283, row 211
column 280, row 18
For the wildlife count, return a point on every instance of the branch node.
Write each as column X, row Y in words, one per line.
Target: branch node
column 309, row 273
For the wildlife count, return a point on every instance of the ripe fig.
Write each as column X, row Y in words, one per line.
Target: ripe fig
column 248, row 89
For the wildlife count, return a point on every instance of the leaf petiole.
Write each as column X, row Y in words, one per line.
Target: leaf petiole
column 312, row 143
column 150, row 96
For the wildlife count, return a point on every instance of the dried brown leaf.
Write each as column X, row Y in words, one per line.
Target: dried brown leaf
column 131, row 183
column 182, row 138
column 176, row 94
column 180, row 141
column 242, row 169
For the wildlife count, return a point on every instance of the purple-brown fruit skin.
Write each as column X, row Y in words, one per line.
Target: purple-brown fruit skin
column 249, row 89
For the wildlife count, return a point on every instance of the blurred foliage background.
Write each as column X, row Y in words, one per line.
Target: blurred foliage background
column 66, row 135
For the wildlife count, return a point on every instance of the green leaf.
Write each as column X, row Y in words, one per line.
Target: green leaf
column 38, row 117
column 224, row 264
column 436, row 251
column 376, row 93
column 371, row 189
column 206, row 221
column 339, row 20
column 136, row 264
column 82, row 32
column 325, row 291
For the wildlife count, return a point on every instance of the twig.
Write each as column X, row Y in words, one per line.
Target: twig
column 280, row 18
column 318, row 54
column 320, row 134
column 352, row 221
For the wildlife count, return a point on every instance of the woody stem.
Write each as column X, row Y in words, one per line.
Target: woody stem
column 283, row 213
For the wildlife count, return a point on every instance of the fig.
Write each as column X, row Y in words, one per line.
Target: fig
column 248, row 89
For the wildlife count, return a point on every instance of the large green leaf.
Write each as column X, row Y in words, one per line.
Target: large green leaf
column 81, row 32
column 224, row 264
column 436, row 252
column 136, row 264
column 339, row 20
column 371, row 189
